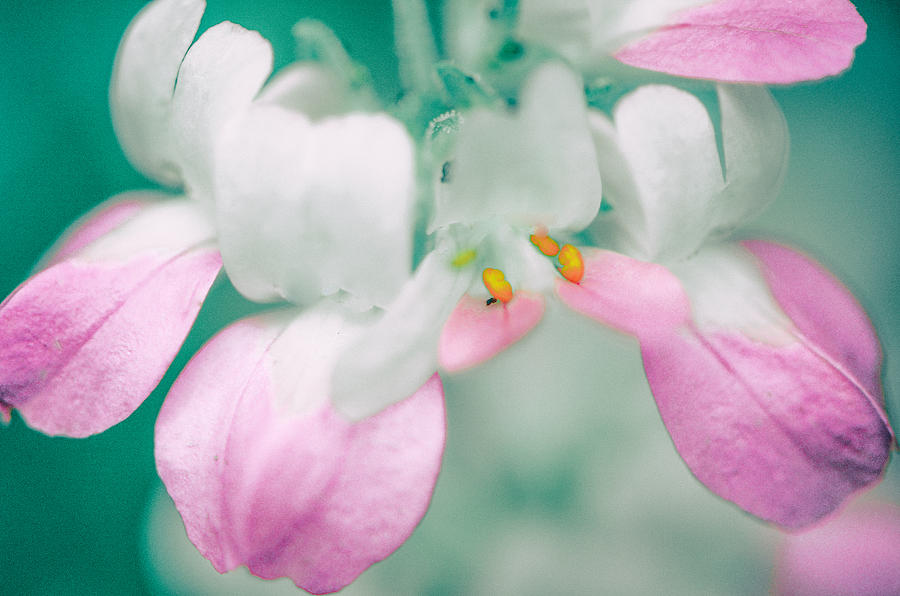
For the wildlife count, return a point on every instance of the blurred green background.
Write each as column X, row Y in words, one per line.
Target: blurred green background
column 73, row 511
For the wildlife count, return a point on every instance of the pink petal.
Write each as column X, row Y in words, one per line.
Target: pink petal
column 857, row 554
column 825, row 312
column 99, row 222
column 475, row 332
column 288, row 491
column 753, row 41
column 83, row 342
column 776, row 428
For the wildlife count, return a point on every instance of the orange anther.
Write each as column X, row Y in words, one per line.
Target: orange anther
column 496, row 284
column 545, row 244
column 572, row 265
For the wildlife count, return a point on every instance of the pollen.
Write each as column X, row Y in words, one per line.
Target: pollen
column 571, row 263
column 545, row 244
column 495, row 282
column 464, row 258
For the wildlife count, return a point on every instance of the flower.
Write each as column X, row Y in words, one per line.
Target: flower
column 263, row 471
column 764, row 368
column 306, row 442
column 725, row 40
column 854, row 554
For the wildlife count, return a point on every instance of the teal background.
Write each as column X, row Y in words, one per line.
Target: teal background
column 73, row 510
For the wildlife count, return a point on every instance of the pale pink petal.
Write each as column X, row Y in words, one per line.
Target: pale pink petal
column 83, row 342
column 857, row 554
column 756, row 410
column 475, row 331
column 99, row 221
column 266, row 474
column 755, row 41
column 824, row 311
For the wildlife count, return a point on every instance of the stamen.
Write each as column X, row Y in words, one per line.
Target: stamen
column 464, row 258
column 572, row 264
column 495, row 282
column 545, row 244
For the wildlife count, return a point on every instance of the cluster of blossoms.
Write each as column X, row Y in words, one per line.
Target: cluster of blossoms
column 424, row 239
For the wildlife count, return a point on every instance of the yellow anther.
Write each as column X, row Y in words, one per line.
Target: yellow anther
column 464, row 258
column 545, row 244
column 496, row 284
column 571, row 263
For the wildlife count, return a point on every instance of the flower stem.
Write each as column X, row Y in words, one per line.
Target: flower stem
column 415, row 46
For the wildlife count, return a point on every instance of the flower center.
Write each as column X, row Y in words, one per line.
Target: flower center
column 571, row 266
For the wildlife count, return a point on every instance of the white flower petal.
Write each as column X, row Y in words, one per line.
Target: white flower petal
column 667, row 139
column 220, row 76
column 143, row 79
column 313, row 90
column 399, row 351
column 755, row 142
column 307, row 209
column 536, row 167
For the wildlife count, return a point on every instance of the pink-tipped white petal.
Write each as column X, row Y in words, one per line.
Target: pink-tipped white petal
column 753, row 41
column 83, row 342
column 143, row 79
column 757, row 409
column 221, row 74
column 266, row 474
column 475, row 332
column 534, row 167
column 857, row 554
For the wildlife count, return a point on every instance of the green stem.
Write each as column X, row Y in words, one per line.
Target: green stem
column 415, row 46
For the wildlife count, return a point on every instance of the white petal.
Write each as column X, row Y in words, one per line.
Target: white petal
column 307, row 209
column 220, row 76
column 314, row 91
column 755, row 142
column 662, row 173
column 143, row 78
column 535, row 167
column 399, row 351
column 667, row 139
